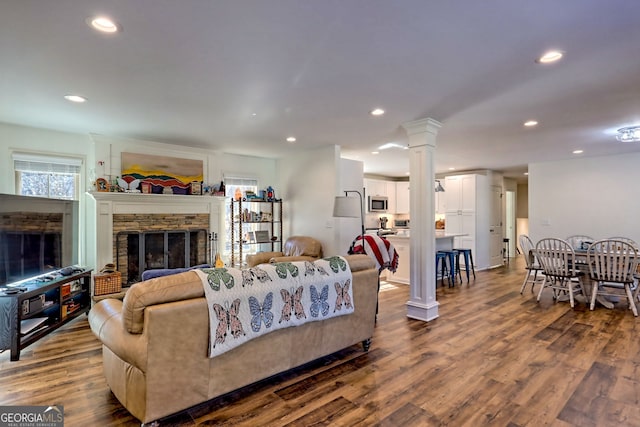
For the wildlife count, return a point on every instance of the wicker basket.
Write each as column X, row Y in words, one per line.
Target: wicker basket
column 108, row 283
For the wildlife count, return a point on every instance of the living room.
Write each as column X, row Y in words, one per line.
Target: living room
column 227, row 84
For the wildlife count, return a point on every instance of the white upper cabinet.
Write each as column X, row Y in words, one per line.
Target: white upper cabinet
column 379, row 187
column 375, row 187
column 402, row 197
column 460, row 193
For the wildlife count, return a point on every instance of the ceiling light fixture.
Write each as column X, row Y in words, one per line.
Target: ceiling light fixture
column 578, row 151
column 291, row 139
column 530, row 123
column 75, row 98
column 375, row 152
column 104, row 24
column 629, row 134
column 550, row 56
column 392, row 145
column 376, row 112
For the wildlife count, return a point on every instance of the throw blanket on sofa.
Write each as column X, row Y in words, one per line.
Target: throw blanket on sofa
column 245, row 304
column 378, row 248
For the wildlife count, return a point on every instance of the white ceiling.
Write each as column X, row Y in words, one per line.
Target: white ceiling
column 193, row 72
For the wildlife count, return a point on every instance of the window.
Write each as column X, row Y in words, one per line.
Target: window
column 47, row 176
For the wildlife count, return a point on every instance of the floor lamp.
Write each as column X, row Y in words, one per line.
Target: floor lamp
column 350, row 207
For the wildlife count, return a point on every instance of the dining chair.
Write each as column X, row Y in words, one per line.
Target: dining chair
column 577, row 239
column 625, row 239
column 532, row 265
column 612, row 265
column 557, row 258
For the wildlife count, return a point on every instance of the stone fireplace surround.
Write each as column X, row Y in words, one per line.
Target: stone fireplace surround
column 110, row 213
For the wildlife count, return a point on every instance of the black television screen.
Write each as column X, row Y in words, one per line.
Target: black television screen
column 37, row 235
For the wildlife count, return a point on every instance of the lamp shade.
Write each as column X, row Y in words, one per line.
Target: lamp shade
column 346, row 207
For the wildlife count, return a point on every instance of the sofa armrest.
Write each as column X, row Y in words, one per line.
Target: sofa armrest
column 105, row 320
column 261, row 258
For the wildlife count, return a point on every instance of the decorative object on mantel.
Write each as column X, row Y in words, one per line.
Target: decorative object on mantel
column 102, row 185
column 162, row 172
column 129, row 186
column 196, row 188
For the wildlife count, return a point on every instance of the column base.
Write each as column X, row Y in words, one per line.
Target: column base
column 424, row 312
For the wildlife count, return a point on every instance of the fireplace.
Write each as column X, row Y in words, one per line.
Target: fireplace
column 148, row 250
column 139, row 232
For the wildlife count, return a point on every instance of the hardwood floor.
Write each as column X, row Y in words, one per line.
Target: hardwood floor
column 493, row 357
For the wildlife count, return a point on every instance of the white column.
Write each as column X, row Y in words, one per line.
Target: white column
column 422, row 144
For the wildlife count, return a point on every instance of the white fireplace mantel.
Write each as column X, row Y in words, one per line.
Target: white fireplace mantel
column 101, row 206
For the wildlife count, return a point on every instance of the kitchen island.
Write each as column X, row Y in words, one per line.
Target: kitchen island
column 402, row 244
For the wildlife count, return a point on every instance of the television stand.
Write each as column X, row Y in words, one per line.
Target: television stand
column 35, row 307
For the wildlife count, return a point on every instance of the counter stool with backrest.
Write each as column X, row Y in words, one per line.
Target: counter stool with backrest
column 441, row 262
column 468, row 261
column 452, row 268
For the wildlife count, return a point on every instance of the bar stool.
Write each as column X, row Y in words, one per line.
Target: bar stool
column 468, row 261
column 505, row 250
column 441, row 258
column 451, row 258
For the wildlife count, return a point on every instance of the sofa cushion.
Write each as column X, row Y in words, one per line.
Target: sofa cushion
column 160, row 290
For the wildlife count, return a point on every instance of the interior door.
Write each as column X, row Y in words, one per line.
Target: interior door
column 495, row 227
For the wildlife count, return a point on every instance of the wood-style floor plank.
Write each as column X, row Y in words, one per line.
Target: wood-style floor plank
column 493, row 357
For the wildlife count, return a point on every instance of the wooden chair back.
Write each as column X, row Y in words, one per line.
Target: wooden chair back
column 577, row 239
column 526, row 245
column 556, row 257
column 612, row 260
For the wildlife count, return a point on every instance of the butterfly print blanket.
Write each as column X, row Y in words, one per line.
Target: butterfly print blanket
column 245, row 304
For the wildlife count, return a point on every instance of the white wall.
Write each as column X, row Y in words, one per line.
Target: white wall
column 596, row 196
column 310, row 180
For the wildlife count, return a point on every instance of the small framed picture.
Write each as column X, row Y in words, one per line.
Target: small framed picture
column 102, row 184
column 196, row 187
column 266, row 217
column 145, row 187
column 261, row 236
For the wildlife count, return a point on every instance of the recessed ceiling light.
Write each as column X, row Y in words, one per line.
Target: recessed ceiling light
column 254, row 114
column 375, row 152
column 530, row 123
column 526, row 173
column 578, row 151
column 550, row 56
column 104, row 24
column 407, row 173
column 75, row 98
column 291, row 139
column 377, row 112
column 452, row 169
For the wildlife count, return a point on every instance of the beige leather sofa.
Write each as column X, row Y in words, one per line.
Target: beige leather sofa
column 296, row 248
column 155, row 343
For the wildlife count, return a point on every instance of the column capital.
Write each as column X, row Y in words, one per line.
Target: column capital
column 421, row 126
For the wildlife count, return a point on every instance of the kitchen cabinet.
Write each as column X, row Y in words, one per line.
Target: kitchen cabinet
column 379, row 187
column 402, row 197
column 468, row 212
column 402, row 246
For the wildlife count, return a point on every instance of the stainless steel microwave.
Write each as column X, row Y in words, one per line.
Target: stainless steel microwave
column 378, row 203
